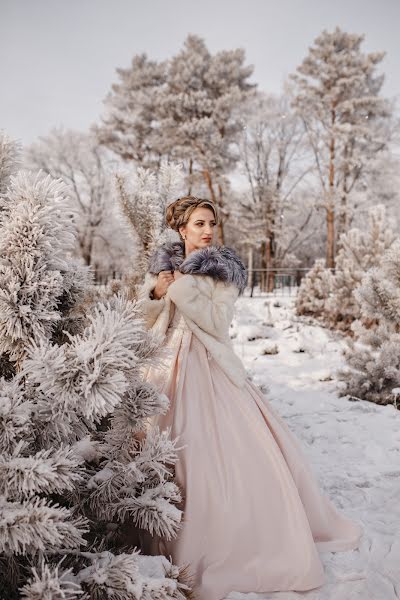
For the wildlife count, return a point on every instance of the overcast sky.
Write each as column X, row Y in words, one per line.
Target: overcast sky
column 58, row 57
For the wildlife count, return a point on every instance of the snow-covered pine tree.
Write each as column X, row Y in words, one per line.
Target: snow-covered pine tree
column 373, row 357
column 338, row 99
column 329, row 296
column 314, row 290
column 360, row 251
column 9, row 158
column 76, row 473
column 129, row 124
column 199, row 114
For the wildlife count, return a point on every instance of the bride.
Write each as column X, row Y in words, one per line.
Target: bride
column 254, row 517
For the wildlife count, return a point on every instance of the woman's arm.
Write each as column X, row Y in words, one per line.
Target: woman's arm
column 151, row 306
column 210, row 304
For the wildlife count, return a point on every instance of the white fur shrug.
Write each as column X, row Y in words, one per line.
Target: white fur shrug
column 207, row 305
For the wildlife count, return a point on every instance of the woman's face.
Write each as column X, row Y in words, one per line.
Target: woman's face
column 199, row 230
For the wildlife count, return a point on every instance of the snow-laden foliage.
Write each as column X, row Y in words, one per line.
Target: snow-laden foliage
column 181, row 110
column 50, row 582
column 9, row 157
column 381, row 182
column 314, row 290
column 373, row 358
column 337, row 97
column 331, row 297
column 360, row 251
column 37, row 283
column 272, row 214
column 144, row 197
column 78, row 477
column 128, row 127
column 131, row 576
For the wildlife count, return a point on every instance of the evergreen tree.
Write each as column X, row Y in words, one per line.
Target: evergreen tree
column 338, row 99
column 9, row 157
column 198, row 113
column 373, row 358
column 129, row 123
column 331, row 296
column 360, row 251
column 76, row 472
column 314, row 290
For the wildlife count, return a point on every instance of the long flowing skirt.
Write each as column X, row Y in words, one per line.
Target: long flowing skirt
column 254, row 516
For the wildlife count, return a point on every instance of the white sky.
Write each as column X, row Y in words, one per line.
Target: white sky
column 58, row 57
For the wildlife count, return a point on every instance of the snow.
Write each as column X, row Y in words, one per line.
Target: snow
column 87, row 449
column 353, row 447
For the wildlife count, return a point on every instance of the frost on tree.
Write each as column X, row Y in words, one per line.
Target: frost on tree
column 337, row 97
column 360, row 251
column 78, row 479
column 373, row 358
column 9, row 156
column 331, row 297
column 86, row 168
column 314, row 290
column 271, row 213
column 185, row 110
column 128, row 127
column 144, row 196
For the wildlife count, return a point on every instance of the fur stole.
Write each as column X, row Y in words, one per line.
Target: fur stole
column 220, row 262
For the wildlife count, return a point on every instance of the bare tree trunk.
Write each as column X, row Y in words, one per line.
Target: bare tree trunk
column 330, row 242
column 86, row 245
column 269, row 261
column 263, row 277
column 207, row 177
column 250, row 266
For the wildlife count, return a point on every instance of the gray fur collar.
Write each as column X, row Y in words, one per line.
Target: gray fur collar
column 220, row 262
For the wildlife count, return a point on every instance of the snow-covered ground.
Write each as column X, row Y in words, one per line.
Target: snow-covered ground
column 354, row 447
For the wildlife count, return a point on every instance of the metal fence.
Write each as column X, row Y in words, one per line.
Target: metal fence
column 280, row 282
column 277, row 282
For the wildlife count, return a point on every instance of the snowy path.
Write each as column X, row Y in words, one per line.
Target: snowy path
column 353, row 447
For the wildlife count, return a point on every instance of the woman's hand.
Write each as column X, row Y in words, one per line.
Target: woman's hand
column 164, row 280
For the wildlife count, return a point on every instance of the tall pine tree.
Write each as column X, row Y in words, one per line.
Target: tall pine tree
column 337, row 97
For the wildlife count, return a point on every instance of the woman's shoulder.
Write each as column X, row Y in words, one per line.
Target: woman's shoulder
column 221, row 263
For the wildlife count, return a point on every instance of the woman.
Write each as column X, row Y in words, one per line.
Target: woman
column 254, row 517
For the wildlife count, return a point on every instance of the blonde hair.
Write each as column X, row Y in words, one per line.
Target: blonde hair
column 178, row 212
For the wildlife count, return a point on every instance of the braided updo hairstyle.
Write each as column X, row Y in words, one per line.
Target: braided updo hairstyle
column 178, row 212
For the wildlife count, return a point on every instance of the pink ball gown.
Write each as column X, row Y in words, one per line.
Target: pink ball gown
column 254, row 517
